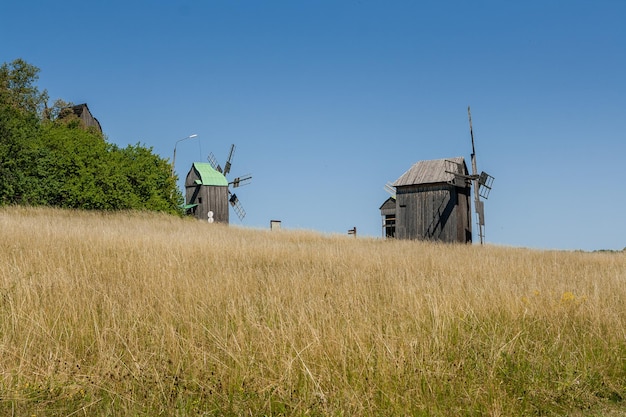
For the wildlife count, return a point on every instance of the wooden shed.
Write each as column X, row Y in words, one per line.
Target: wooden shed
column 206, row 193
column 433, row 202
column 388, row 211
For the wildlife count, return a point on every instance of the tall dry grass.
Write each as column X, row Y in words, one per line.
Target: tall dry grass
column 145, row 314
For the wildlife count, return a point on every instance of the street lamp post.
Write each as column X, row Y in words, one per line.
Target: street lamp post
column 174, row 158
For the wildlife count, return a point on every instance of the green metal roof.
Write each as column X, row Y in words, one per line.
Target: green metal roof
column 208, row 175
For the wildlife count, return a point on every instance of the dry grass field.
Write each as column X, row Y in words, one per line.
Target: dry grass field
column 147, row 314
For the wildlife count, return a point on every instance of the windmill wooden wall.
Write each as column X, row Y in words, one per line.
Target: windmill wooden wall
column 206, row 190
column 431, row 205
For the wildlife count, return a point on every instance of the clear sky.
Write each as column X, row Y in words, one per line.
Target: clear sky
column 327, row 101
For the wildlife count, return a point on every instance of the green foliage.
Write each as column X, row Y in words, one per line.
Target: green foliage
column 16, row 153
column 76, row 168
column 18, row 89
column 54, row 161
column 72, row 170
column 59, row 111
column 149, row 177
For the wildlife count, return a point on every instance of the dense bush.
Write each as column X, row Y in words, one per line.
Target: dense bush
column 48, row 160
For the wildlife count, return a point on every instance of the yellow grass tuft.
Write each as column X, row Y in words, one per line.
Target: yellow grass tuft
column 146, row 314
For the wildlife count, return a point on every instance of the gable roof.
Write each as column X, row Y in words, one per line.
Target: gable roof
column 209, row 176
column 389, row 203
column 431, row 172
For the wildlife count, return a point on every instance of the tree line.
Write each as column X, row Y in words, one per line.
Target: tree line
column 49, row 157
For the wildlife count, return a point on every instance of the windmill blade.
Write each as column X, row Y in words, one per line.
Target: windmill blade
column 390, row 189
column 228, row 161
column 485, row 182
column 234, row 202
column 478, row 205
column 480, row 210
column 213, row 162
column 469, row 115
column 239, row 181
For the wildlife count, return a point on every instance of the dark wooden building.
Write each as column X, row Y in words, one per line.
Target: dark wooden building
column 432, row 202
column 206, row 193
column 86, row 118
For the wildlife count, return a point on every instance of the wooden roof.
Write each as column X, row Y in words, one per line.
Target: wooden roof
column 208, row 176
column 431, row 172
column 79, row 108
column 389, row 203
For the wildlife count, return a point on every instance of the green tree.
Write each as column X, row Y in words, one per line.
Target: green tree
column 17, row 149
column 46, row 158
column 20, row 102
column 76, row 168
column 59, row 110
column 18, row 89
column 69, row 168
column 150, row 178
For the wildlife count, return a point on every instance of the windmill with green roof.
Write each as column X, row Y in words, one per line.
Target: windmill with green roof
column 207, row 190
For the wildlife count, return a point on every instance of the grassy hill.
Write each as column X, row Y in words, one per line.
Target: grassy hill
column 147, row 314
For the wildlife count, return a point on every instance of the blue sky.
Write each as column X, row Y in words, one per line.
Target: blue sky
column 326, row 101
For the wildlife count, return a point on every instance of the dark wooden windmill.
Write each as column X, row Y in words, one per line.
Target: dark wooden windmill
column 206, row 193
column 431, row 203
column 208, row 190
column 432, row 200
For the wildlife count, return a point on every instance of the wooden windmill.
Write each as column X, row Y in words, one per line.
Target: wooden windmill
column 208, row 192
column 429, row 203
column 431, row 200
